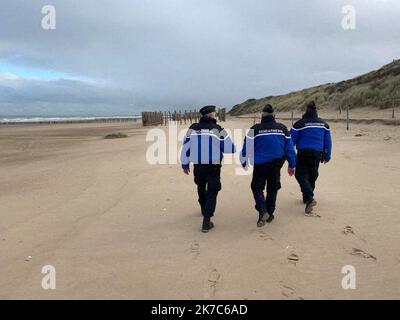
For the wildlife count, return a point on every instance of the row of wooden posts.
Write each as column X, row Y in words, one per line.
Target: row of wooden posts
column 188, row 117
column 340, row 112
column 348, row 114
column 180, row 117
column 347, row 108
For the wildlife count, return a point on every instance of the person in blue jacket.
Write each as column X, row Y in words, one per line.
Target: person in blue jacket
column 312, row 137
column 267, row 146
column 204, row 146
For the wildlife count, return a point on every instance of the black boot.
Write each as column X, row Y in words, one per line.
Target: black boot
column 262, row 217
column 207, row 225
column 310, row 206
column 270, row 218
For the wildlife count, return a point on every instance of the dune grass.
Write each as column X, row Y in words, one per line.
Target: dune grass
column 374, row 89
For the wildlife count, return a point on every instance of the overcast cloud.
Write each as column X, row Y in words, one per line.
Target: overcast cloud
column 123, row 56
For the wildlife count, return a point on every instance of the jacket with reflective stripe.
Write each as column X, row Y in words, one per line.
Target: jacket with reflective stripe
column 266, row 142
column 205, row 143
column 312, row 133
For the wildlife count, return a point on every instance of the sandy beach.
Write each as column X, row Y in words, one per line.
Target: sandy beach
column 115, row 227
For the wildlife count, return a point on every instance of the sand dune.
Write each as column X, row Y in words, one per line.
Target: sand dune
column 114, row 226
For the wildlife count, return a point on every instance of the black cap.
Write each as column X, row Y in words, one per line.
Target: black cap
column 207, row 109
column 268, row 109
column 311, row 105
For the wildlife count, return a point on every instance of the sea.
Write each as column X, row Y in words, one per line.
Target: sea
column 33, row 119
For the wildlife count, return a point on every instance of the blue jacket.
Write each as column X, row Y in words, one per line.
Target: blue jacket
column 205, row 143
column 312, row 133
column 266, row 142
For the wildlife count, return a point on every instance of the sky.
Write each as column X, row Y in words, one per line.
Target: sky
column 122, row 57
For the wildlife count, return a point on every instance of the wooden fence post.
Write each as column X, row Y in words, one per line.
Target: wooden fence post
column 393, row 109
column 348, row 118
column 222, row 114
column 143, row 118
column 292, row 118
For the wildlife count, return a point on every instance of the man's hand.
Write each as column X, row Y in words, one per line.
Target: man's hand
column 291, row 171
column 186, row 171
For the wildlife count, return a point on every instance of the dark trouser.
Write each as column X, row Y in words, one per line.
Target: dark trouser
column 307, row 172
column 208, row 180
column 270, row 174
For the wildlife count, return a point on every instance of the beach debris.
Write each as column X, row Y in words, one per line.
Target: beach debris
column 362, row 253
column 387, row 138
column 117, row 135
column 28, row 258
column 359, row 135
column 164, row 209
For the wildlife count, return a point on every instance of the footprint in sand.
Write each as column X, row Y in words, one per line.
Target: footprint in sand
column 289, row 292
column 195, row 248
column 264, row 236
column 312, row 215
column 362, row 253
column 350, row 230
column 293, row 258
column 212, row 282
